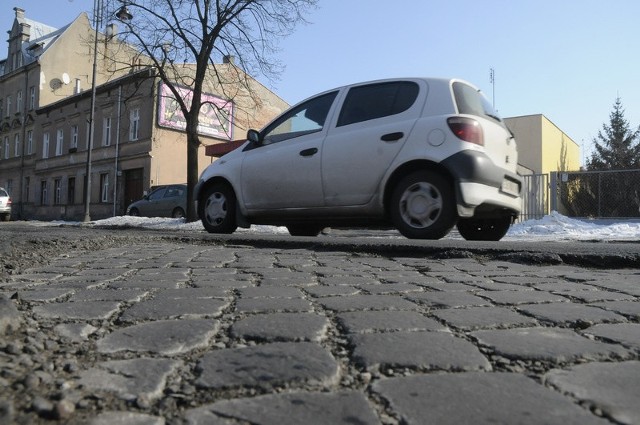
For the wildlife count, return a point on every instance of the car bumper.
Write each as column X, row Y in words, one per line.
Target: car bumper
column 481, row 182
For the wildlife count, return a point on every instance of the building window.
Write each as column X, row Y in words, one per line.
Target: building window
column 8, row 105
column 57, row 186
column 134, row 124
column 10, row 186
column 1, row 107
column 45, row 146
column 74, row 137
column 106, row 131
column 32, row 98
column 43, row 193
column 71, row 191
column 6, row 147
column 104, row 187
column 27, row 182
column 16, row 145
column 19, row 102
column 29, row 142
column 59, row 142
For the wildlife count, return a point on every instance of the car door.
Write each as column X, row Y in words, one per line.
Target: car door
column 150, row 208
column 283, row 170
column 374, row 122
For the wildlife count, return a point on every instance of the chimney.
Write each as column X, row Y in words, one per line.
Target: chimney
column 19, row 13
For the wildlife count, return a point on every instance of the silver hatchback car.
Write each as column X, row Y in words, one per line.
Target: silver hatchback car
column 164, row 201
column 419, row 154
column 5, row 205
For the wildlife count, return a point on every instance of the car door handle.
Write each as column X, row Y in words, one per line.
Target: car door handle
column 392, row 137
column 309, row 152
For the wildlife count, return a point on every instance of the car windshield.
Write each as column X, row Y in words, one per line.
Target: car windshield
column 3, row 192
column 472, row 102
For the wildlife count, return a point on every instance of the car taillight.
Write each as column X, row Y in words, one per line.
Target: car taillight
column 466, row 129
column 9, row 201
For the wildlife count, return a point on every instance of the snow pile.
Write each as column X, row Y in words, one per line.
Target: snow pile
column 553, row 227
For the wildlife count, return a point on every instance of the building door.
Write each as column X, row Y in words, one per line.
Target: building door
column 132, row 185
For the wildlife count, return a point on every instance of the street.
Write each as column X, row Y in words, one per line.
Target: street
column 128, row 326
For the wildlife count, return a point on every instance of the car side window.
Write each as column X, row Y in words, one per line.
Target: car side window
column 306, row 118
column 379, row 100
column 157, row 194
column 171, row 192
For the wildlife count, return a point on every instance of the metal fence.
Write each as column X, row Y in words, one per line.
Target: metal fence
column 596, row 194
column 535, row 196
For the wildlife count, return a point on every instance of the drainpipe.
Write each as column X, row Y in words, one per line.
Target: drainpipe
column 115, row 183
column 23, row 133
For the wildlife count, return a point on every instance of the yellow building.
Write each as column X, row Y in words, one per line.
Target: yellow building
column 542, row 146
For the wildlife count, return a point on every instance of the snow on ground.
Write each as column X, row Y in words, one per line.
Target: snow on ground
column 553, row 227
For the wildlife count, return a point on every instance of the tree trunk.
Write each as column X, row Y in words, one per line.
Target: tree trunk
column 193, row 142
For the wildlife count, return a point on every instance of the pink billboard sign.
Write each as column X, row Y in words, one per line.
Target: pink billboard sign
column 216, row 114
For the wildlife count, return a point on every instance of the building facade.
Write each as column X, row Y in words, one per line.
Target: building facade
column 138, row 139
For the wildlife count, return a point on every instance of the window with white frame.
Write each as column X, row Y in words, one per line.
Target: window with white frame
column 74, row 136
column 59, row 141
column 104, row 187
column 45, row 145
column 8, row 105
column 10, row 186
column 32, row 98
column 6, row 147
column 44, row 196
column 57, row 192
column 16, row 145
column 106, row 131
column 29, row 142
column 19, row 102
column 134, row 124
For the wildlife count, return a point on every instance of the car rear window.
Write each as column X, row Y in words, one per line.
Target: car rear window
column 471, row 102
column 373, row 101
column 3, row 193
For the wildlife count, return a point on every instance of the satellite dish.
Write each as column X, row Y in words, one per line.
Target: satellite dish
column 55, row 84
column 65, row 78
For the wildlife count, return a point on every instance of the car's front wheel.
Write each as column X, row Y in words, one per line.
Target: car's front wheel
column 218, row 209
column 178, row 212
column 423, row 206
column 484, row 229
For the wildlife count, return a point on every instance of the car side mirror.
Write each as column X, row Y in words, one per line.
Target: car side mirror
column 254, row 137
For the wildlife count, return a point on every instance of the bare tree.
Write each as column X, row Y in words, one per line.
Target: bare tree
column 186, row 41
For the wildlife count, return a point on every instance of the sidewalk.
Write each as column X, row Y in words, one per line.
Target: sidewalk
column 168, row 332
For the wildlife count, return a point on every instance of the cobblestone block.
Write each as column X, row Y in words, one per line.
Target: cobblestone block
column 84, row 310
column 267, row 365
column 500, row 398
column 376, row 321
column 367, row 302
column 521, row 297
column 424, row 350
column 547, row 344
column 483, row 317
column 627, row 334
column 166, row 337
column 453, row 299
column 167, row 308
column 611, row 388
column 282, row 327
column 339, row 408
column 567, row 313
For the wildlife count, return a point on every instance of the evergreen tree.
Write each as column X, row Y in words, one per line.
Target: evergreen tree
column 617, row 146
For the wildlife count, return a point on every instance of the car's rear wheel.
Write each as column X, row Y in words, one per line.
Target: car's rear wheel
column 423, row 206
column 178, row 213
column 304, row 229
column 7, row 217
column 484, row 229
column 218, row 209
column 134, row 212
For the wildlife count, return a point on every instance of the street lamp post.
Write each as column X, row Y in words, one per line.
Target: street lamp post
column 123, row 14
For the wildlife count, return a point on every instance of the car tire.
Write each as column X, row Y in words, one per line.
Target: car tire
column 304, row 229
column 177, row 213
column 7, row 217
column 484, row 229
column 423, row 206
column 218, row 209
column 134, row 212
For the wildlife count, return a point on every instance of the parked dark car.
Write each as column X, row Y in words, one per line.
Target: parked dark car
column 164, row 201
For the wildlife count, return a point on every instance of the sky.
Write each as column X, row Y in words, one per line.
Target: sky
column 566, row 59
column 550, row 228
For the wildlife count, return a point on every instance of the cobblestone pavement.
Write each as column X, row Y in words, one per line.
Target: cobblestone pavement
column 171, row 333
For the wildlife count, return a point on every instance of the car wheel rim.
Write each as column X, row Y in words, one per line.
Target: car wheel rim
column 216, row 208
column 420, row 205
